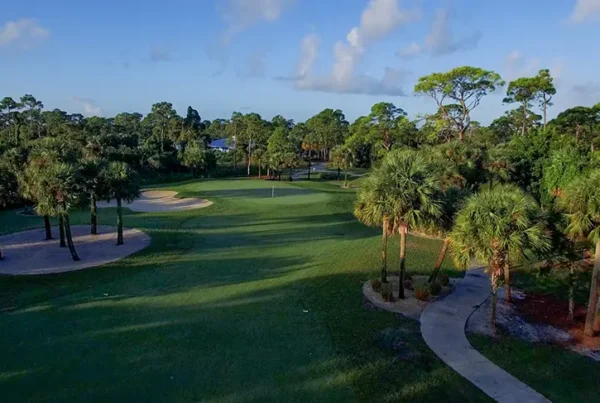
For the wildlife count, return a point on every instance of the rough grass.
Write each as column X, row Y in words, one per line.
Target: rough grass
column 559, row 374
column 252, row 299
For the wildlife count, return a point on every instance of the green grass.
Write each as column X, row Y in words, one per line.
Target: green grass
column 559, row 374
column 252, row 299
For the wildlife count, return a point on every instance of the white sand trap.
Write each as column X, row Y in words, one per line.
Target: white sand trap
column 155, row 201
column 27, row 253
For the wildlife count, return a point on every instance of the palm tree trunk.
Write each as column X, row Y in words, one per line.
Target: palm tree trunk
column 494, row 279
column 69, row 237
column 346, row 178
column 507, row 293
column 119, row 222
column 571, row 316
column 593, row 302
column 339, row 173
column 596, row 321
column 93, row 215
column 438, row 264
column 403, row 231
column 259, row 171
column 290, row 178
column 47, row 227
column 545, row 118
column 61, row 230
column 384, row 252
column 309, row 165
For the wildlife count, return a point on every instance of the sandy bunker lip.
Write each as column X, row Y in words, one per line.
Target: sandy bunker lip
column 153, row 201
column 27, row 253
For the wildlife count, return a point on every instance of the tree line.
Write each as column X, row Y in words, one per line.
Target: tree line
column 427, row 171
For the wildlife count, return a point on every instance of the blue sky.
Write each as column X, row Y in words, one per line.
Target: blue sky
column 289, row 57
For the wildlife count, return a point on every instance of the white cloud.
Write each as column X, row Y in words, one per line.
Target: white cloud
column 255, row 65
column 585, row 10
column 242, row 14
column 24, row 33
column 310, row 50
column 390, row 84
column 440, row 40
column 379, row 18
column 517, row 65
column 410, row 51
column 88, row 107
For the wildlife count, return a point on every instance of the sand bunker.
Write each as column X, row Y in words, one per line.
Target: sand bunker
column 27, row 253
column 155, row 201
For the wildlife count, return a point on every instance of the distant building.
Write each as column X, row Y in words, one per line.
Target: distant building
column 220, row 145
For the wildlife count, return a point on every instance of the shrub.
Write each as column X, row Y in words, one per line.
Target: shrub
column 422, row 292
column 444, row 279
column 408, row 284
column 386, row 292
column 435, row 288
column 376, row 285
column 328, row 175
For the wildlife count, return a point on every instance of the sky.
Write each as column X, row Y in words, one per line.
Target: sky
column 288, row 57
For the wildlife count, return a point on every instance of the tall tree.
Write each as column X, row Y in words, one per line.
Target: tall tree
column 10, row 118
column 195, row 157
column 93, row 184
column 412, row 190
column 254, row 135
column 545, row 91
column 464, row 86
column 330, row 127
column 234, row 130
column 160, row 119
column 121, row 184
column 386, row 121
column 373, row 209
column 527, row 90
column 581, row 201
column 33, row 114
column 579, row 121
column 341, row 158
column 497, row 226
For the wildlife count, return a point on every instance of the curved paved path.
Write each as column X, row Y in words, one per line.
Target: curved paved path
column 443, row 328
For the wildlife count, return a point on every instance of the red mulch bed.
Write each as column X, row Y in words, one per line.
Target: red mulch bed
column 548, row 310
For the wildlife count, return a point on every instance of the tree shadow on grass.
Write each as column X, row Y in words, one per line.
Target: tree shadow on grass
column 283, row 339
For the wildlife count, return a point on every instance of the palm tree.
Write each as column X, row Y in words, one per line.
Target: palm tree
column 58, row 191
column 413, row 194
column 581, row 201
column 372, row 209
column 67, row 195
column 28, row 183
column 340, row 157
column 93, row 185
column 291, row 161
column 260, row 158
column 497, row 226
column 121, row 184
column 452, row 201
